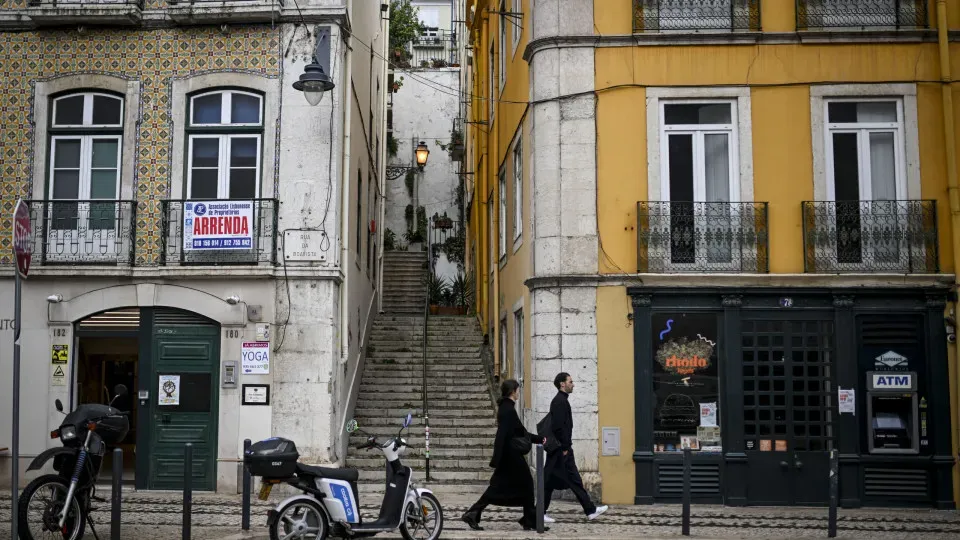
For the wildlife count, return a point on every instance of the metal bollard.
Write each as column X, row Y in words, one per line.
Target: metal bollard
column 245, row 511
column 540, row 489
column 685, row 523
column 834, row 481
column 187, row 489
column 115, row 497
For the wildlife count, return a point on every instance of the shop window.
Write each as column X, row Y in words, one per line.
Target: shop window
column 686, row 382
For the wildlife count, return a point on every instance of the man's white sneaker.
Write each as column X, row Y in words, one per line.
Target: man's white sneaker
column 600, row 510
column 548, row 519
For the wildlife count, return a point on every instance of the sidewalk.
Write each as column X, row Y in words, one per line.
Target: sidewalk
column 217, row 517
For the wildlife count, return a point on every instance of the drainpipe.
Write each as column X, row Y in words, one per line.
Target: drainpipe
column 950, row 142
column 345, row 175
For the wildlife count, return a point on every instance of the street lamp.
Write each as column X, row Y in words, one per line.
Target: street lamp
column 422, row 153
column 314, row 83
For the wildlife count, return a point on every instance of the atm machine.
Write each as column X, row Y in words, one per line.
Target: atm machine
column 892, row 412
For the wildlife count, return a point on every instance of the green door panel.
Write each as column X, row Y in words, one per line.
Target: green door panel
column 191, row 354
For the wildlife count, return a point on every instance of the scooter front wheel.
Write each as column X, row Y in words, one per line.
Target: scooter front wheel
column 301, row 520
column 40, row 506
column 424, row 523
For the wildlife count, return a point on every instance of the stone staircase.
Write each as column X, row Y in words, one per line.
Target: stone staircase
column 461, row 411
column 404, row 290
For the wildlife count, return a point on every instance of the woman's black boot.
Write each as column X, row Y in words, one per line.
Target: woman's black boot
column 471, row 520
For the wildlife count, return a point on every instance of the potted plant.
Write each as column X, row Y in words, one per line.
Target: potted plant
column 456, row 145
column 437, row 290
column 442, row 222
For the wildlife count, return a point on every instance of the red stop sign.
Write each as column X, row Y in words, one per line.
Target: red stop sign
column 22, row 241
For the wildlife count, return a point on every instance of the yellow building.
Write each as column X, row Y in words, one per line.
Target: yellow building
column 730, row 222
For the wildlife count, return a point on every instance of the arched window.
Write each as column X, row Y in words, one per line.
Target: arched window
column 86, row 136
column 224, row 140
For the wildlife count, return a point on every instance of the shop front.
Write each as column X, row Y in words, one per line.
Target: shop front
column 761, row 384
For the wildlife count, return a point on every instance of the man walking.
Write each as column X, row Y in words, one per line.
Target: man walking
column 561, row 467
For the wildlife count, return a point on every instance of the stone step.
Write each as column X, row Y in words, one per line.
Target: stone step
column 417, row 358
column 438, row 340
column 436, row 463
column 481, row 454
column 378, row 402
column 390, row 430
column 433, row 390
column 407, row 394
column 414, row 370
column 398, row 412
column 415, row 439
column 432, row 349
column 459, row 476
column 417, row 380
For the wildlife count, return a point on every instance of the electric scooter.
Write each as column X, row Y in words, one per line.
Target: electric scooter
column 329, row 503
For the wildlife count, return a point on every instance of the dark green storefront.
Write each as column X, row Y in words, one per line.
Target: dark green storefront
column 752, row 379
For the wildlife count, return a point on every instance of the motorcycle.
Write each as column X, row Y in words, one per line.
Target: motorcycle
column 329, row 503
column 63, row 499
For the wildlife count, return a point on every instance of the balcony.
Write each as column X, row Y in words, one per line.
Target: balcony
column 870, row 237
column 701, row 237
column 433, row 49
column 72, row 12
column 695, row 15
column 224, row 232
column 83, row 232
column 862, row 14
column 224, row 11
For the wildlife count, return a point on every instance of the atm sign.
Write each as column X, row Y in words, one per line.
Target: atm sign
column 893, row 382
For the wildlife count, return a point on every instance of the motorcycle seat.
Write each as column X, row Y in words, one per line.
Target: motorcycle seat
column 348, row 475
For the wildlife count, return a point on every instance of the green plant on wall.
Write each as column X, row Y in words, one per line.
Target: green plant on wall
column 420, row 233
column 392, row 145
column 389, row 240
column 408, row 215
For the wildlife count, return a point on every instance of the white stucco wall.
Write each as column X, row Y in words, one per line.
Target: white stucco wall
column 425, row 111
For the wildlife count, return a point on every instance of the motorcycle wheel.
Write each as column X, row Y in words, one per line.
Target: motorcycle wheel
column 43, row 515
column 300, row 520
column 425, row 523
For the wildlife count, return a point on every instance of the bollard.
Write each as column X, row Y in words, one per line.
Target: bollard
column 834, row 480
column 245, row 515
column 187, row 488
column 116, row 495
column 685, row 524
column 540, row 488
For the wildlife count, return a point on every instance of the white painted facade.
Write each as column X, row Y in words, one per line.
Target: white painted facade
column 319, row 311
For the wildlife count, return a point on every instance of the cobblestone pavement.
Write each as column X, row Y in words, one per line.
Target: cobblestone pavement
column 217, row 517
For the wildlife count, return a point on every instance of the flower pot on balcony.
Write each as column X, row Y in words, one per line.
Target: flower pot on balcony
column 434, row 309
column 456, row 152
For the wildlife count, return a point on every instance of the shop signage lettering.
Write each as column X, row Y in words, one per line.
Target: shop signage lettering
column 686, row 356
column 6, row 324
column 255, row 357
column 892, row 361
column 685, row 366
column 892, row 381
column 217, row 225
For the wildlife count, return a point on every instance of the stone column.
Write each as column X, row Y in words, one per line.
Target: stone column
column 564, row 177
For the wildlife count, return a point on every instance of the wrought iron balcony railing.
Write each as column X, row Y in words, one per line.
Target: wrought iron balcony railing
column 432, row 49
column 890, row 14
column 219, row 232
column 89, row 232
column 870, row 236
column 695, row 15
column 702, row 237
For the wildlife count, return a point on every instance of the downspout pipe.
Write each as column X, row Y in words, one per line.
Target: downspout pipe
column 346, row 107
column 950, row 150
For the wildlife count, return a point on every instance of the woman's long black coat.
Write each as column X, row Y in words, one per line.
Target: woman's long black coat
column 511, row 484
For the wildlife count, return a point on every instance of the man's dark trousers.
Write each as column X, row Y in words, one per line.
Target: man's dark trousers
column 564, row 475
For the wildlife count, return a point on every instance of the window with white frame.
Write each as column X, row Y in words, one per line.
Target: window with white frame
column 502, row 221
column 86, row 136
column 502, row 46
column 503, row 345
column 517, row 189
column 866, row 176
column 699, row 179
column 517, row 9
column 224, row 139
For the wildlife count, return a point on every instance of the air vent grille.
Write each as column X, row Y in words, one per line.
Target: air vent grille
column 176, row 317
column 888, row 332
column 704, row 479
column 895, row 483
column 117, row 319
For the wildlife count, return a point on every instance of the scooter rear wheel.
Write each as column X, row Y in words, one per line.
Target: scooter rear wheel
column 425, row 523
column 303, row 519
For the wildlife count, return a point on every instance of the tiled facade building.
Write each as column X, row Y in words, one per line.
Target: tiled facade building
column 126, row 126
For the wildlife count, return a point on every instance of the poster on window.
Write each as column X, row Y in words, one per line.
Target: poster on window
column 217, row 225
column 169, row 390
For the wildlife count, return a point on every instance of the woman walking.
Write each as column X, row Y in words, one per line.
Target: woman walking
column 511, row 483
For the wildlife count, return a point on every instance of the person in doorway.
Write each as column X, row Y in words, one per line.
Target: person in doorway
column 560, row 470
column 511, row 483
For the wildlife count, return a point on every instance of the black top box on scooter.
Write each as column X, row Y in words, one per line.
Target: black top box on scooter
column 274, row 458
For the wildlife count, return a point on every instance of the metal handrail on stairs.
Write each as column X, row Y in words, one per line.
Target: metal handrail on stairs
column 426, row 320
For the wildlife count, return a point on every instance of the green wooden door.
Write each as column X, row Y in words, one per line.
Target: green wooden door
column 184, row 378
